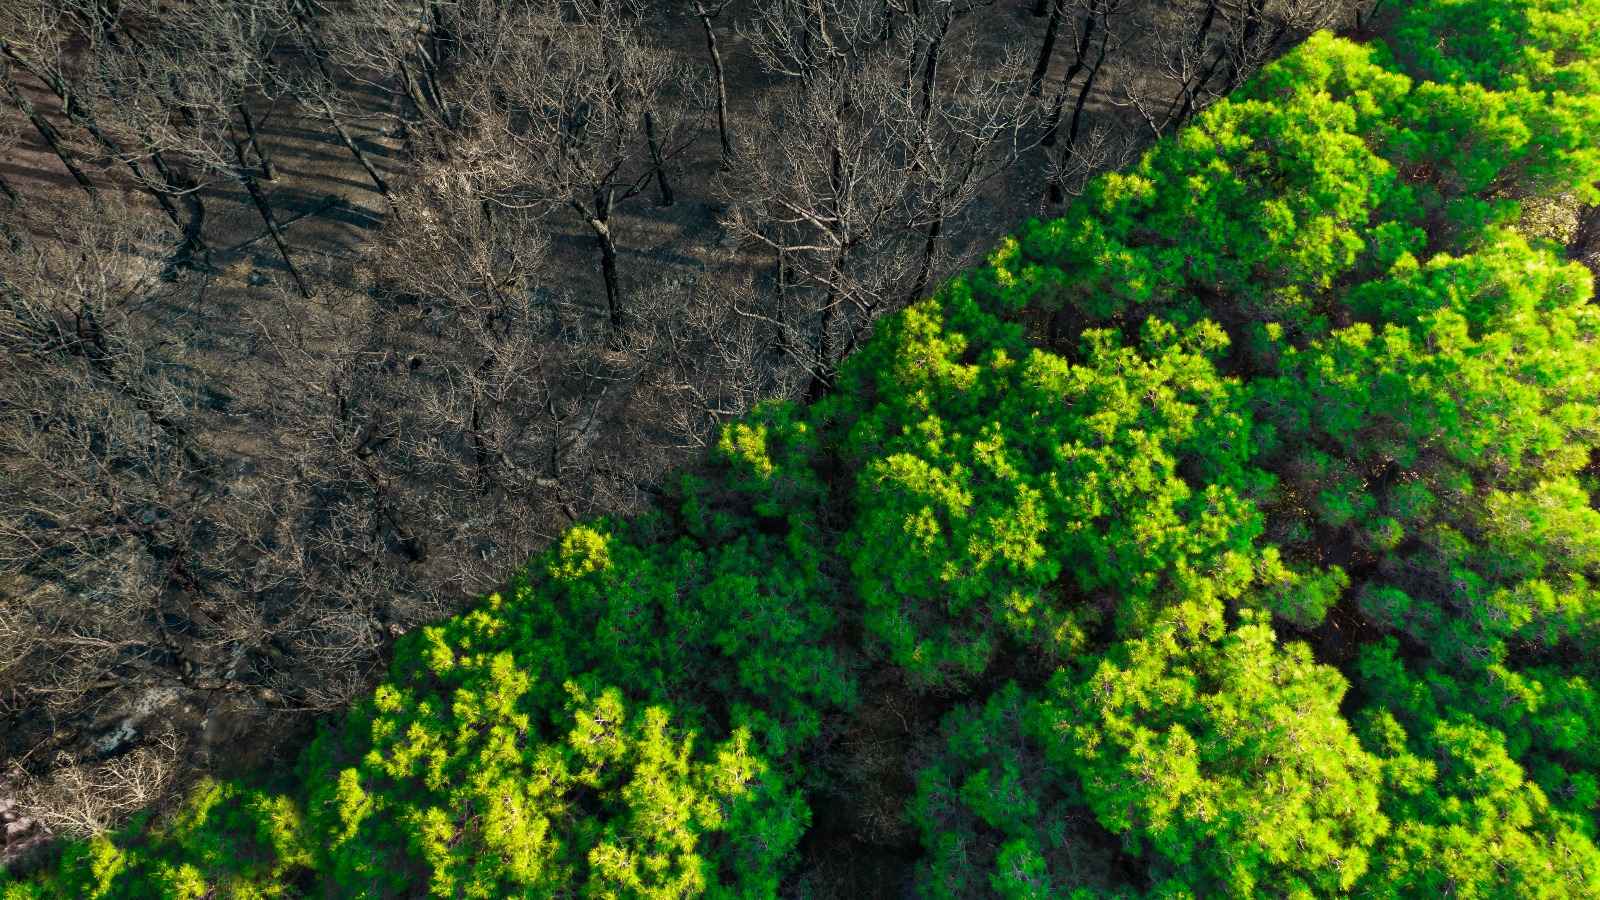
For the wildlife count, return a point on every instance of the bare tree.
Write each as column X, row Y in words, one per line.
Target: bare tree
column 817, row 185
column 855, row 173
column 469, row 412
column 392, row 46
column 708, row 14
column 186, row 81
column 315, row 84
column 1069, row 167
column 36, row 39
column 1101, row 31
column 83, row 797
column 569, row 107
column 803, row 38
column 968, row 127
column 8, row 140
column 1206, row 51
column 1192, row 54
column 103, row 477
column 46, row 129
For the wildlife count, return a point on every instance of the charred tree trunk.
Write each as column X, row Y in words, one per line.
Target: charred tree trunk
column 420, row 101
column 929, row 248
column 1080, row 54
column 246, row 177
column 1190, row 95
column 826, row 346
column 47, row 131
column 656, row 160
column 1585, row 246
column 82, row 118
column 1088, row 86
column 1238, row 63
column 1046, row 50
column 720, row 79
column 428, row 81
column 1206, row 21
column 599, row 222
column 255, row 144
column 781, row 276
column 930, row 69
column 1056, row 194
column 1184, row 103
column 356, row 151
column 194, row 229
column 1364, row 21
column 608, row 271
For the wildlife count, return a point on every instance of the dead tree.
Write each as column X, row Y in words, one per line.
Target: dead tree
column 1259, row 30
column 36, row 41
column 856, row 171
column 8, row 140
column 197, row 74
column 439, row 411
column 804, row 38
column 396, row 46
column 316, row 85
column 1206, row 51
column 103, row 480
column 1047, row 49
column 1100, row 28
column 968, row 122
column 570, row 108
column 708, row 14
column 814, row 185
column 47, row 131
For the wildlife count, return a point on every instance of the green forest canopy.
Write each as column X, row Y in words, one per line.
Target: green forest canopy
column 1243, row 518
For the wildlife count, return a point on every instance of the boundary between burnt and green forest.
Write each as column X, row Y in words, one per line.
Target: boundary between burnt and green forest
column 1242, row 519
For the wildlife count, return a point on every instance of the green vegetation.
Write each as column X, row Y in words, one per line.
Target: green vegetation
column 970, row 531
column 1242, row 519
